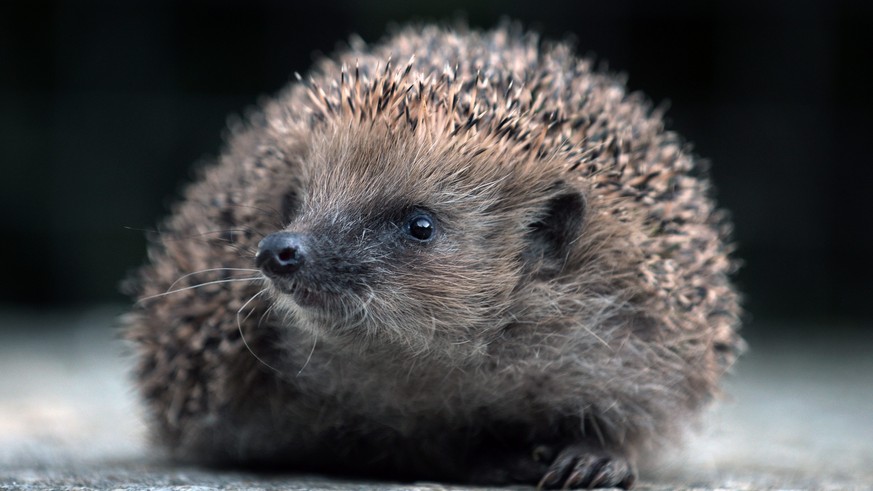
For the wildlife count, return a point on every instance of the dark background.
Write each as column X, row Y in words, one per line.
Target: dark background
column 105, row 105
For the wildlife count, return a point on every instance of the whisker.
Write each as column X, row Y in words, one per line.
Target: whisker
column 244, row 251
column 248, row 270
column 150, row 297
column 265, row 314
column 242, row 336
column 177, row 236
column 314, row 342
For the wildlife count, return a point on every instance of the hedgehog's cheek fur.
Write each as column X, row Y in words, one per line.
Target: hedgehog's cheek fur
column 449, row 297
column 430, row 310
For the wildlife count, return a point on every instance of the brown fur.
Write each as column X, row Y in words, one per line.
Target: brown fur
column 573, row 309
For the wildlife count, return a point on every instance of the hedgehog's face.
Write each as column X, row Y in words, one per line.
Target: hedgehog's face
column 392, row 240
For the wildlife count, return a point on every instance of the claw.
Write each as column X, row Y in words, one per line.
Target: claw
column 574, row 478
column 551, row 478
column 604, row 474
column 580, row 466
column 582, row 472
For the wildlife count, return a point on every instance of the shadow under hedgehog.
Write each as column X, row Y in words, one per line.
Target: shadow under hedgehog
column 454, row 255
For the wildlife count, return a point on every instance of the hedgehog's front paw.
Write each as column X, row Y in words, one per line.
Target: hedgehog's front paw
column 580, row 466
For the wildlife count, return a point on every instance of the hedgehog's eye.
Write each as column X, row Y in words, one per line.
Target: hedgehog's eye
column 420, row 227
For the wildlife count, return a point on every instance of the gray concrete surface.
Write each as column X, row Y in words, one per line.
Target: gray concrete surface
column 799, row 415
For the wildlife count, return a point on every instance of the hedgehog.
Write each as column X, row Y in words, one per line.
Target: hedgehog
column 456, row 255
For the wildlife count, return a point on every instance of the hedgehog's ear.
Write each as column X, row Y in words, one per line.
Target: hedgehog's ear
column 550, row 237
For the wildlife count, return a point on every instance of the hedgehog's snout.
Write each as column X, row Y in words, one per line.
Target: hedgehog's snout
column 280, row 255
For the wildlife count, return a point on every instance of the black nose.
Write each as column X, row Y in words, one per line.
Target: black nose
column 280, row 254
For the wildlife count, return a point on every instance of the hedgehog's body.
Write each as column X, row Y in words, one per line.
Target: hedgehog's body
column 489, row 264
